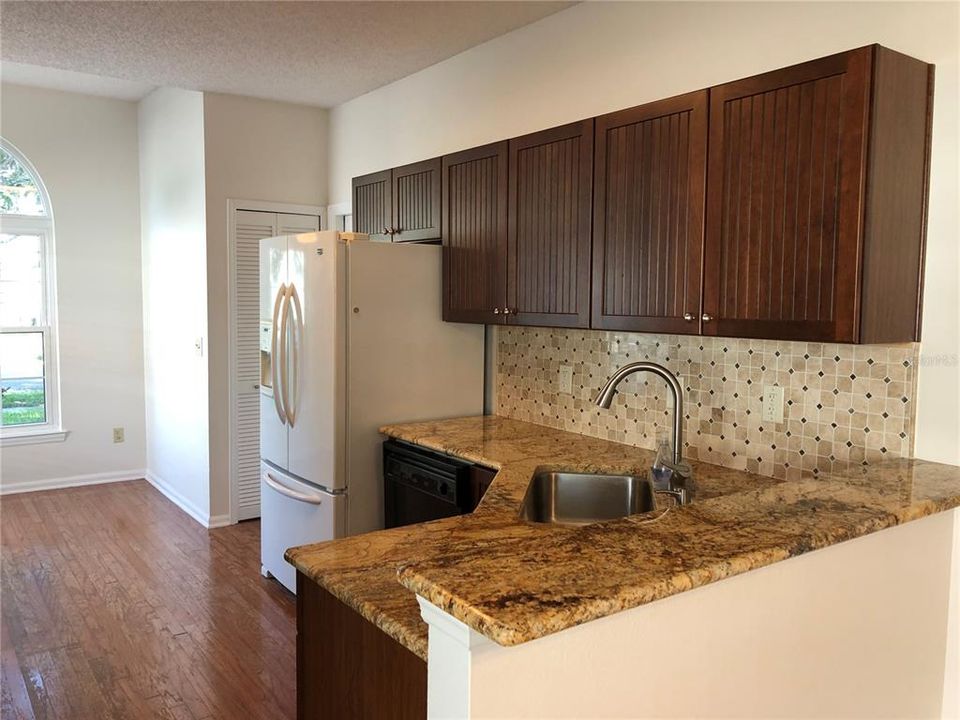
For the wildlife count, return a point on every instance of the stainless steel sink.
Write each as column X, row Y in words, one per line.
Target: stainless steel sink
column 583, row 498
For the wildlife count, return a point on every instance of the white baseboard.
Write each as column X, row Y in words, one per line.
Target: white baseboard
column 217, row 521
column 69, row 482
column 177, row 498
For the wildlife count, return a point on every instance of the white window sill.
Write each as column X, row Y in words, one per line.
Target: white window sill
column 33, row 437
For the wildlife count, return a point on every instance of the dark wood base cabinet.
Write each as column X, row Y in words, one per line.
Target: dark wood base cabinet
column 349, row 669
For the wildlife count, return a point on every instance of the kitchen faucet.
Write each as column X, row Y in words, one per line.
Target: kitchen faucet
column 681, row 470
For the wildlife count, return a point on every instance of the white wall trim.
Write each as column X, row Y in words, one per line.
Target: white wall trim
column 336, row 210
column 275, row 207
column 449, row 662
column 232, row 206
column 73, row 481
column 217, row 521
column 205, row 519
column 36, row 437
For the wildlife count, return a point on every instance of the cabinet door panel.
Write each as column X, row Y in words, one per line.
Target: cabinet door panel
column 648, row 216
column 474, row 221
column 416, row 201
column 784, row 201
column 548, row 256
column 371, row 204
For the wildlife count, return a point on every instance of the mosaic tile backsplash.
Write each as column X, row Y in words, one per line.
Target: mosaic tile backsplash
column 842, row 403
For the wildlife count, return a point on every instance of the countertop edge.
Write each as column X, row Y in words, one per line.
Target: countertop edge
column 509, row 635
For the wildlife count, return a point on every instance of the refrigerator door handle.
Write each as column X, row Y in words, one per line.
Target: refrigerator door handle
column 274, row 357
column 290, row 492
column 296, row 327
column 282, row 361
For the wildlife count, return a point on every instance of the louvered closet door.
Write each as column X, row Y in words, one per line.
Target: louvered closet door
column 251, row 321
column 784, row 201
column 290, row 224
column 548, row 241
column 648, row 216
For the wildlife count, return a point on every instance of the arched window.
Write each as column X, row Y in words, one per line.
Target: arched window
column 29, row 409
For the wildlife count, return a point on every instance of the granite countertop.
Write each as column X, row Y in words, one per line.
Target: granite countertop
column 515, row 581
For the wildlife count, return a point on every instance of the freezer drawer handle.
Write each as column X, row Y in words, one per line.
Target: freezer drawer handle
column 284, row 490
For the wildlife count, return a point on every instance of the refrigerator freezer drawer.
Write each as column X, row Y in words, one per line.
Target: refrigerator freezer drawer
column 294, row 513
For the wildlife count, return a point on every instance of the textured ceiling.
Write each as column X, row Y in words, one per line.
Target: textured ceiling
column 318, row 53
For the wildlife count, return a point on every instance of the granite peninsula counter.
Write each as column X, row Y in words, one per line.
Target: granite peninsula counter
column 513, row 581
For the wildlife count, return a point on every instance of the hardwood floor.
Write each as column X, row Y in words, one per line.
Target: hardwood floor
column 116, row 604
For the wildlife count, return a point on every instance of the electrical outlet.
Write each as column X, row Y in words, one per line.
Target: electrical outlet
column 566, row 379
column 118, row 435
column 772, row 403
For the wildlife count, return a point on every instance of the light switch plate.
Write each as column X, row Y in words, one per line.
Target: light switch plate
column 773, row 403
column 566, row 379
column 118, row 434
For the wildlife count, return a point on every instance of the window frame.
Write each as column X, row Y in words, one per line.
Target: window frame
column 42, row 226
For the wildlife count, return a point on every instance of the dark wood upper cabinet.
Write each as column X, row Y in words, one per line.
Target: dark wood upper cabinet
column 816, row 200
column 399, row 205
column 474, row 221
column 372, row 205
column 648, row 216
column 548, row 236
column 789, row 205
column 416, row 201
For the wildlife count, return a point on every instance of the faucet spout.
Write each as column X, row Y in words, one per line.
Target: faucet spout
column 605, row 397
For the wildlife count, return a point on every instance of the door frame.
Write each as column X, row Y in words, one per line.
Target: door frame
column 233, row 205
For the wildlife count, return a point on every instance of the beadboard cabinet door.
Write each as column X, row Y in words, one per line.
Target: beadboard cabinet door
column 372, row 205
column 548, row 237
column 648, row 216
column 416, row 202
column 787, row 151
column 474, row 222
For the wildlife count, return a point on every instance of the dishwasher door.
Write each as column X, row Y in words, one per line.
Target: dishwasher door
column 294, row 512
column 419, row 486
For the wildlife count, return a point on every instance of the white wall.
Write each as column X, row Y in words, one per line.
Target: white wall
column 85, row 149
column 255, row 150
column 173, row 220
column 598, row 57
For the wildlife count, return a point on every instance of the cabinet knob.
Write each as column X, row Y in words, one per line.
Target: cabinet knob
column 688, row 317
column 394, row 231
column 706, row 317
column 385, row 231
column 496, row 311
column 506, row 311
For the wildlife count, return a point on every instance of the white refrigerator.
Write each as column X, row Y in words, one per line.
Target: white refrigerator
column 352, row 339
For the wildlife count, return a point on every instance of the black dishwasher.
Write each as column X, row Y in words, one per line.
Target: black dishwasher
column 420, row 485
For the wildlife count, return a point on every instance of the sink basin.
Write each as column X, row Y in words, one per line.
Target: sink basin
column 584, row 498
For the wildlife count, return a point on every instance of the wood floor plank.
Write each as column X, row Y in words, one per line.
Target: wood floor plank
column 116, row 604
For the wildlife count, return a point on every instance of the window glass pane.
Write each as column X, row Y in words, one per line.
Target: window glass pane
column 19, row 194
column 21, row 280
column 22, row 391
